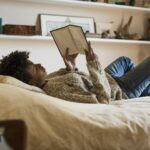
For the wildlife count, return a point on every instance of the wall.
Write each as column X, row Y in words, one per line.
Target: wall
column 46, row 52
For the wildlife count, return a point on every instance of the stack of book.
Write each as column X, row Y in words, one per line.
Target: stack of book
column 10, row 29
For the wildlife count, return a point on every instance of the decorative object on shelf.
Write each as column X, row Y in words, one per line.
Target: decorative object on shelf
column 103, row 1
column 123, row 32
column 1, row 26
column 132, row 2
column 105, row 29
column 121, row 2
column 111, row 1
column 106, row 34
column 146, row 3
column 52, row 22
column 19, row 29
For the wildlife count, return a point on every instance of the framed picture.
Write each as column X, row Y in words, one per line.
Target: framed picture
column 52, row 22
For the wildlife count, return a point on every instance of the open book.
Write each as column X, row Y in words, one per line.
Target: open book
column 71, row 37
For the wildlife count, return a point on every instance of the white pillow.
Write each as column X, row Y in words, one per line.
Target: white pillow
column 15, row 82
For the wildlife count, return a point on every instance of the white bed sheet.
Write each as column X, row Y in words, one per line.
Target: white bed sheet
column 55, row 124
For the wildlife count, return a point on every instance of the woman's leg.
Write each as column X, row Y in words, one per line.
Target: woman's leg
column 136, row 81
column 146, row 92
column 119, row 67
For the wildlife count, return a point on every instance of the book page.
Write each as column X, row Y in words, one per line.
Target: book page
column 63, row 40
column 79, row 38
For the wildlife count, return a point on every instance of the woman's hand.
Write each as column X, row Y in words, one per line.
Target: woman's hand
column 89, row 53
column 70, row 61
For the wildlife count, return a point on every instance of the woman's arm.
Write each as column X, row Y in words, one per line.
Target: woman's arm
column 98, row 77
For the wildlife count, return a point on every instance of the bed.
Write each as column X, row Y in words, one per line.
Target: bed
column 55, row 124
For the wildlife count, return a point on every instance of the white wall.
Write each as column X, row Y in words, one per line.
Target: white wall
column 46, row 52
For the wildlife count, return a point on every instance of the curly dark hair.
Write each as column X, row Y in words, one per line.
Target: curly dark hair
column 15, row 65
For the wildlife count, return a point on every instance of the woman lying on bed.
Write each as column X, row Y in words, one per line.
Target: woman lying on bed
column 120, row 80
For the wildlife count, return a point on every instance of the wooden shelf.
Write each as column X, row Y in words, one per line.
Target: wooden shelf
column 46, row 38
column 90, row 5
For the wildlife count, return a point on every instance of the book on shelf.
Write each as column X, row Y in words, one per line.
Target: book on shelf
column 26, row 30
column 70, row 37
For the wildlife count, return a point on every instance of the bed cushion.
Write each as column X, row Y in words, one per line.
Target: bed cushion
column 15, row 82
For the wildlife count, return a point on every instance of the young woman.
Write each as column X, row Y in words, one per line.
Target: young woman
column 120, row 80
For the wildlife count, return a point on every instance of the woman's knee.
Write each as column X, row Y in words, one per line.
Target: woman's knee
column 127, row 62
column 125, row 58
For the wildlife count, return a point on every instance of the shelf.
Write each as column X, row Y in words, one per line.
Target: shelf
column 16, row 37
column 90, row 5
column 138, row 42
column 44, row 38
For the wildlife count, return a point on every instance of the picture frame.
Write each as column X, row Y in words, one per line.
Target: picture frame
column 52, row 22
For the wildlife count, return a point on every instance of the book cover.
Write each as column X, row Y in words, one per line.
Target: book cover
column 71, row 37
